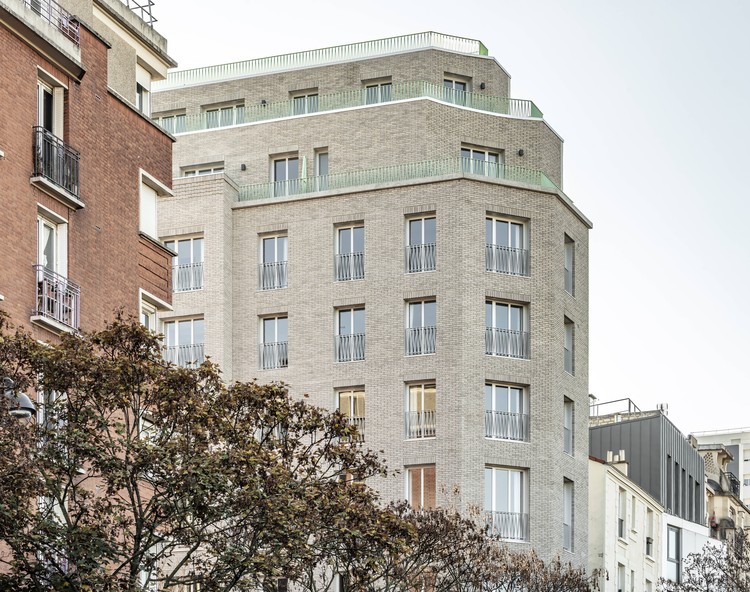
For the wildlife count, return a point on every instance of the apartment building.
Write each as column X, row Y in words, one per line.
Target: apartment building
column 737, row 443
column 81, row 164
column 381, row 226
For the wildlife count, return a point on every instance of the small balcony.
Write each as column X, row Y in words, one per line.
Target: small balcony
column 420, row 424
column 513, row 526
column 272, row 276
column 421, row 341
column 502, row 425
column 58, row 301
column 187, row 277
column 350, row 348
column 506, row 343
column 420, row 257
column 56, row 168
column 350, row 266
column 512, row 261
column 58, row 17
column 274, row 355
column 359, row 423
column 186, row 356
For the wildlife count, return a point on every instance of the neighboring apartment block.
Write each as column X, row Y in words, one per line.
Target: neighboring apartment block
column 379, row 225
column 81, row 164
column 737, row 443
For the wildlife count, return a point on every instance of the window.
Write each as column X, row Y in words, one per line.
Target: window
column 421, row 328
column 568, row 411
column 454, row 91
column 148, row 316
column 377, row 92
column 305, row 103
column 673, row 553
column 272, row 269
column 321, row 170
column 203, row 170
column 174, row 124
column 350, row 253
column 147, row 210
column 421, row 235
column 620, row 577
column 633, row 513
column 351, row 404
column 273, row 345
column 420, row 411
column 649, row 532
column 350, row 335
column 505, row 247
column 285, row 176
column 568, row 515
column 187, row 266
column 505, row 330
column 569, row 265
column 485, row 162
column 505, row 412
column 632, row 580
column 420, row 487
column 505, row 503
column 184, row 342
column 142, row 90
column 569, row 346
column 50, row 101
column 224, row 115
column 621, row 512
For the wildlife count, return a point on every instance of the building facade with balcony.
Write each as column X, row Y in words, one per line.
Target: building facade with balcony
column 737, row 444
column 383, row 228
column 81, row 164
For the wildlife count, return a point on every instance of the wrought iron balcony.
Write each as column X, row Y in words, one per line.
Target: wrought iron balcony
column 187, row 356
column 506, row 343
column 272, row 276
column 504, row 425
column 421, row 340
column 57, row 163
column 350, row 266
column 57, row 298
column 512, row 526
column 350, row 348
column 274, row 355
column 730, row 482
column 187, row 277
column 420, row 257
column 419, row 424
column 508, row 260
column 58, row 17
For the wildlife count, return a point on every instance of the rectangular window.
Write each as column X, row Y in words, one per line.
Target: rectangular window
column 673, row 554
column 633, row 513
column 505, row 247
column 568, row 515
column 305, row 103
column 187, row 266
column 321, row 170
column 350, row 253
column 620, row 577
column 206, row 169
column 147, row 211
column 505, row 502
column 57, row 296
column 568, row 411
column 272, row 269
column 351, row 404
column 622, row 510
column 505, row 330
column 420, row 487
column 420, row 411
column 285, row 176
column 143, row 90
column 183, row 342
column 480, row 161
column 421, row 328
column 148, row 317
column 569, row 346
column 379, row 92
column 273, row 345
column 224, row 116
column 506, row 414
column 421, row 237
column 649, row 532
column 569, row 265
column 350, row 335
column 454, row 91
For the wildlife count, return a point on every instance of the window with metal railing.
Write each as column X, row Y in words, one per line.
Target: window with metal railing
column 187, row 265
column 272, row 269
column 274, row 342
column 506, row 331
column 506, row 502
column 421, row 246
column 420, row 411
column 183, row 341
column 377, row 92
column 506, row 414
column 351, row 404
column 224, row 116
column 303, row 103
column 421, row 328
column 350, row 253
column 482, row 161
column 350, row 335
column 506, row 248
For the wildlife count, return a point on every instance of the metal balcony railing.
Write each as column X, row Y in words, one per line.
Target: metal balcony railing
column 274, row 355
column 506, row 426
column 143, row 9
column 730, row 482
column 350, row 266
column 420, row 340
column 508, row 525
column 57, row 297
column 419, row 424
column 350, row 348
column 187, row 277
column 56, row 161
column 506, row 343
column 390, row 174
column 272, row 276
column 420, row 257
column 57, row 16
column 508, row 260
column 187, row 356
column 359, row 423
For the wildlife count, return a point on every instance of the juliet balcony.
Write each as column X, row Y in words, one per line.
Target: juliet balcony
column 188, row 356
column 58, row 301
column 56, row 168
column 503, row 425
column 506, row 343
column 419, row 424
column 513, row 526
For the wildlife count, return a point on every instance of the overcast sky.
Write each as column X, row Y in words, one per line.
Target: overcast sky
column 651, row 98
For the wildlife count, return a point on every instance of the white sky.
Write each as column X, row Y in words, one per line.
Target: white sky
column 651, row 98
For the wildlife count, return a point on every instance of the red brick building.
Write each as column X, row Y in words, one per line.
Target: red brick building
column 81, row 164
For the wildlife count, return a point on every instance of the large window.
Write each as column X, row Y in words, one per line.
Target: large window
column 505, row 247
column 350, row 335
column 272, row 269
column 421, row 327
column 421, row 236
column 273, row 345
column 506, row 331
column 187, row 266
column 350, row 253
column 184, row 342
column 420, row 487
column 569, row 346
column 420, row 411
column 568, row 515
column 505, row 503
column 377, row 92
column 479, row 161
column 285, row 173
column 351, row 404
column 506, row 414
